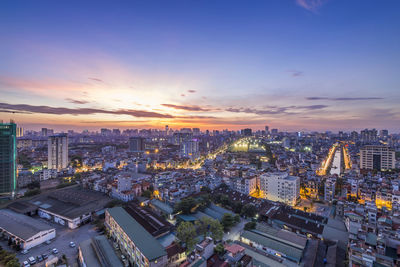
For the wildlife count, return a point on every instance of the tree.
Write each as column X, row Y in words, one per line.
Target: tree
column 249, row 210
column 237, row 206
column 227, row 221
column 216, row 229
column 205, row 189
column 209, row 227
column 32, row 192
column 147, row 193
column 13, row 263
column 185, row 206
column 237, row 218
column 186, row 233
column 250, row 225
column 219, row 249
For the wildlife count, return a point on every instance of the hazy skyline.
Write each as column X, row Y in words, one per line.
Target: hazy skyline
column 290, row 64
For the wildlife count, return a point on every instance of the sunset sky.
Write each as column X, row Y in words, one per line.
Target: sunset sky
column 290, row 64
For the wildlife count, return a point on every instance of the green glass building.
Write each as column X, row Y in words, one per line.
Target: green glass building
column 8, row 157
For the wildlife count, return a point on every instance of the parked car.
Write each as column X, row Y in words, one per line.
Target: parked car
column 55, row 251
column 26, row 264
column 24, row 252
column 32, row 260
column 72, row 244
column 39, row 258
column 44, row 256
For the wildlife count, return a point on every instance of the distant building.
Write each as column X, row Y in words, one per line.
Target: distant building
column 279, row 186
column 8, row 155
column 44, row 132
column 136, row 144
column 20, row 132
column 190, row 149
column 369, row 136
column 274, row 131
column 247, row 132
column 267, row 129
column 377, row 158
column 58, row 152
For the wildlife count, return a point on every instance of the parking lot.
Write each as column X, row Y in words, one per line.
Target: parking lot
column 63, row 237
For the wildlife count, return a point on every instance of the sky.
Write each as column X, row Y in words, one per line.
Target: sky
column 295, row 65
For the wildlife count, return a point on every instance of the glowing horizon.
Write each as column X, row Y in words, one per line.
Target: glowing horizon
column 292, row 65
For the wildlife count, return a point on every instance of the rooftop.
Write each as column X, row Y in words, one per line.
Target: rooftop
column 98, row 252
column 21, row 225
column 147, row 244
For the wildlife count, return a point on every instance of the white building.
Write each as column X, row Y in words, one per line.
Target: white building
column 330, row 185
column 25, row 230
column 246, row 185
column 58, row 152
column 279, row 186
column 377, row 158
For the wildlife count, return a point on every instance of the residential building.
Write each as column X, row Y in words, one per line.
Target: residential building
column 58, row 152
column 136, row 144
column 140, row 247
column 377, row 157
column 279, row 186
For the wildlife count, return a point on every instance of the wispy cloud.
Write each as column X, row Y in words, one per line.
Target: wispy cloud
column 296, row 73
column 344, row 98
column 310, row 5
column 273, row 110
column 76, row 101
column 192, row 91
column 186, row 107
column 96, row 79
column 80, row 111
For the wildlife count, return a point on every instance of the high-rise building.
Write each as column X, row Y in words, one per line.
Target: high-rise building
column 8, row 155
column 136, row 144
column 44, row 131
column 20, row 132
column 377, row 158
column 354, row 136
column 116, row 132
column 274, row 131
column 57, row 152
column 247, row 132
column 267, row 129
column 279, row 186
column 369, row 136
column 384, row 133
column 190, row 149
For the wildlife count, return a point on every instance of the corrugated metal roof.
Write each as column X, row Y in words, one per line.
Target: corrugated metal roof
column 147, row 244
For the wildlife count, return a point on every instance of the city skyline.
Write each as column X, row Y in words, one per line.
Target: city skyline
column 293, row 65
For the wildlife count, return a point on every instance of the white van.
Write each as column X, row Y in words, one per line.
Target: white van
column 32, row 260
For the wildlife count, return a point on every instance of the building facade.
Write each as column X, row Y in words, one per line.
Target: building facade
column 138, row 245
column 8, row 155
column 58, row 152
column 377, row 158
column 279, row 186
